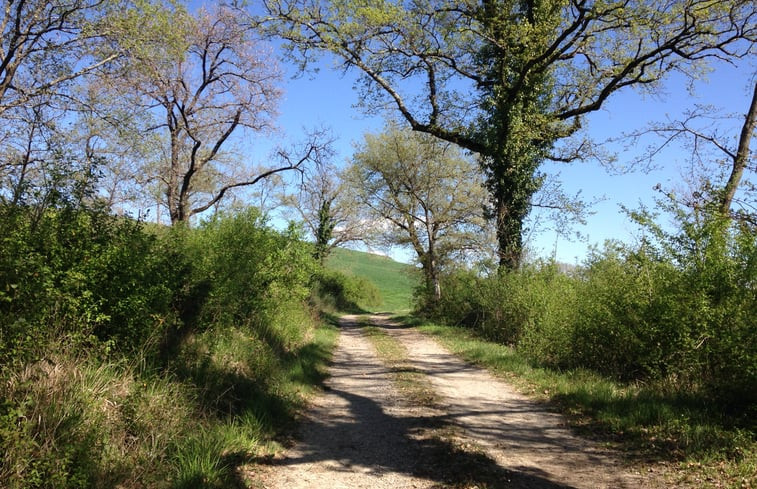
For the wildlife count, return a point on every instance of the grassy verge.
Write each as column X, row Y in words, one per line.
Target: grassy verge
column 243, row 397
column 693, row 441
column 73, row 421
column 413, row 384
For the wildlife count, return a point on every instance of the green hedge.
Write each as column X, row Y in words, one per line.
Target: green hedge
column 682, row 311
column 80, row 276
column 137, row 356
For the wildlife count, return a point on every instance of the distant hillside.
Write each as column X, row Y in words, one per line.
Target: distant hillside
column 394, row 280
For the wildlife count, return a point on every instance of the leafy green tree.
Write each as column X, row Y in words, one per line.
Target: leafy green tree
column 430, row 194
column 324, row 231
column 511, row 80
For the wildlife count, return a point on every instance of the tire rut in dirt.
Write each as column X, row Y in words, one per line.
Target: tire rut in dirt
column 361, row 433
column 518, row 434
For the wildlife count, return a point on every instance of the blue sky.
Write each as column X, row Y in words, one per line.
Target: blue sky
column 727, row 88
column 327, row 99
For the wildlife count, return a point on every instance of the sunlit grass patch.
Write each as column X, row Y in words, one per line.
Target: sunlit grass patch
column 395, row 281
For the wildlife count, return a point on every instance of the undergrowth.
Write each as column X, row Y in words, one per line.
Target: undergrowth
column 653, row 344
column 72, row 421
column 164, row 359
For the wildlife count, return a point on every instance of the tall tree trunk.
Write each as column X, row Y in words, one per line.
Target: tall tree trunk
column 432, row 271
column 741, row 158
column 172, row 180
column 431, row 276
column 509, row 237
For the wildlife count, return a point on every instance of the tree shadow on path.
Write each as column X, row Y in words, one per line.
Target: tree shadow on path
column 411, row 445
column 357, row 431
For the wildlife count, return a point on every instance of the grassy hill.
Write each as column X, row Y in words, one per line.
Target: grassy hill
column 394, row 280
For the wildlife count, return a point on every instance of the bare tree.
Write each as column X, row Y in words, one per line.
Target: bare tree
column 741, row 157
column 328, row 208
column 213, row 83
column 701, row 130
column 48, row 43
column 19, row 153
column 47, row 49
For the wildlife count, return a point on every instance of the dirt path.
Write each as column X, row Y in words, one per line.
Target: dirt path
column 480, row 433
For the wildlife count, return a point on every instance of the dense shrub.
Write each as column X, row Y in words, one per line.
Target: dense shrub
column 679, row 307
column 81, row 275
column 512, row 308
column 257, row 277
column 146, row 359
column 624, row 316
column 337, row 291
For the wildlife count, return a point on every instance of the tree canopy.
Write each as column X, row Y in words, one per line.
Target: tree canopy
column 422, row 192
column 512, row 79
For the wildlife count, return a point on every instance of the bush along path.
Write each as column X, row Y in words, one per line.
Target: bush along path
column 399, row 411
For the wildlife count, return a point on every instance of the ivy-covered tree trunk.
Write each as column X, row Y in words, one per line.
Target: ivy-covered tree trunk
column 514, row 129
column 324, row 231
column 509, row 214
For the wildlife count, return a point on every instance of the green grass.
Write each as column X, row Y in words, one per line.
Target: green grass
column 71, row 421
column 697, row 441
column 394, row 280
column 246, row 413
